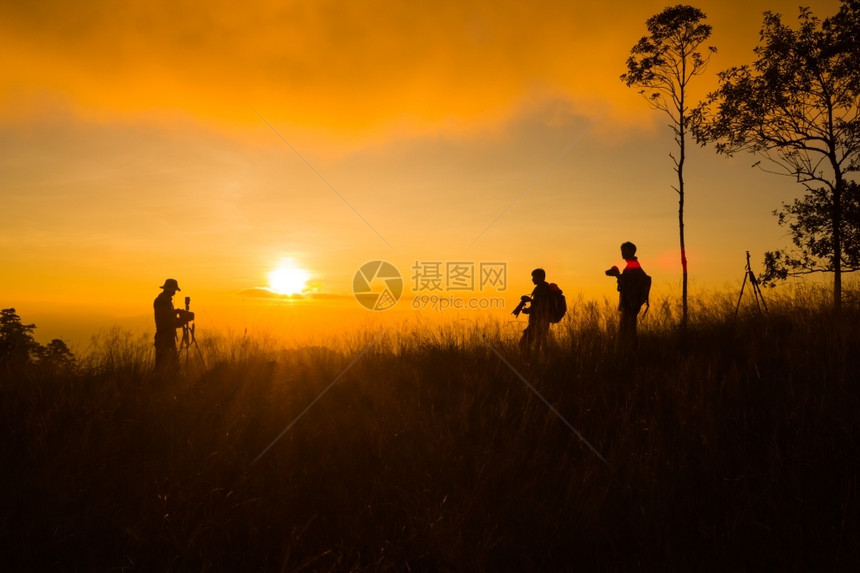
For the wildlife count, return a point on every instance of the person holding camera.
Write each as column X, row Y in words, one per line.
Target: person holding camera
column 167, row 320
column 537, row 307
column 634, row 286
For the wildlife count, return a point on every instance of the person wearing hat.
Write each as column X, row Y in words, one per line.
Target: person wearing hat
column 167, row 320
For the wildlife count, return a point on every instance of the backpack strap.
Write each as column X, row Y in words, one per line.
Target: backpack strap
column 648, row 295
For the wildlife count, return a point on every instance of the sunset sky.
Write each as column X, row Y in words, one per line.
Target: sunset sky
column 209, row 141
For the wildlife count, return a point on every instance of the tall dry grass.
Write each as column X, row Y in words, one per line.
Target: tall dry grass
column 731, row 446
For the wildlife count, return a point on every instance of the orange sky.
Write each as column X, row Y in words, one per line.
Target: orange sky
column 152, row 139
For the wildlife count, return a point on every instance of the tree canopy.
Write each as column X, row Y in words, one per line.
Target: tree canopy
column 662, row 63
column 18, row 348
column 796, row 108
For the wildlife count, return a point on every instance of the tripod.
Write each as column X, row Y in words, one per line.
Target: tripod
column 188, row 338
column 759, row 298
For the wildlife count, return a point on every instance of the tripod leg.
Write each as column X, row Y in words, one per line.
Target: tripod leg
column 186, row 342
column 759, row 297
column 754, row 285
column 740, row 296
column 193, row 342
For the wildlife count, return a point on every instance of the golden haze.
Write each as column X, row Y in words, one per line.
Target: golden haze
column 209, row 141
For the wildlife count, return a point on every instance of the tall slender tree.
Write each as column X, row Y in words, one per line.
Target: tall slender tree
column 661, row 65
column 798, row 109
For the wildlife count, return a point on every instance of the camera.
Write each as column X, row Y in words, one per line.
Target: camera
column 523, row 300
column 184, row 315
column 613, row 272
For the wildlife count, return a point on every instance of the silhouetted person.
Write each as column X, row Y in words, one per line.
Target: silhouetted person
column 537, row 307
column 167, row 320
column 633, row 288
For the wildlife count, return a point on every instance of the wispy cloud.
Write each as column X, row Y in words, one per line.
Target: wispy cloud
column 266, row 293
column 344, row 66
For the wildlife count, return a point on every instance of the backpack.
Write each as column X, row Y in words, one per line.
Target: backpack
column 557, row 304
column 639, row 285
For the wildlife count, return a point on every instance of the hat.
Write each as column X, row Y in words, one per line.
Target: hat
column 170, row 284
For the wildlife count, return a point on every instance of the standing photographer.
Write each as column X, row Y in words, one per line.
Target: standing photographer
column 537, row 332
column 634, row 286
column 167, row 320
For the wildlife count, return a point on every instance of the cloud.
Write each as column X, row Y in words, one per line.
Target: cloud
column 340, row 65
column 265, row 293
column 333, row 66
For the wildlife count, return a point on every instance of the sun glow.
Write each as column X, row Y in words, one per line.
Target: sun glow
column 288, row 279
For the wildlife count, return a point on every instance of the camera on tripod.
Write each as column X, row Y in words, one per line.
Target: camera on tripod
column 185, row 315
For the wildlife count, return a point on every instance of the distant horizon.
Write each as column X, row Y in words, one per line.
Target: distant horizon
column 297, row 322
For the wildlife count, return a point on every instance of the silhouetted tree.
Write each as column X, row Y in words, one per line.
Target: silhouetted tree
column 796, row 108
column 57, row 357
column 17, row 346
column 662, row 65
column 809, row 221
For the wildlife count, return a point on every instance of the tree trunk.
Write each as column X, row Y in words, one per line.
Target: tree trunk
column 680, row 168
column 683, row 247
column 836, row 221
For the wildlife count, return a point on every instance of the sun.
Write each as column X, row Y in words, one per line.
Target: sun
column 288, row 279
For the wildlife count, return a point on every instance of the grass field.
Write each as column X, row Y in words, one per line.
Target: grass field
column 731, row 447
